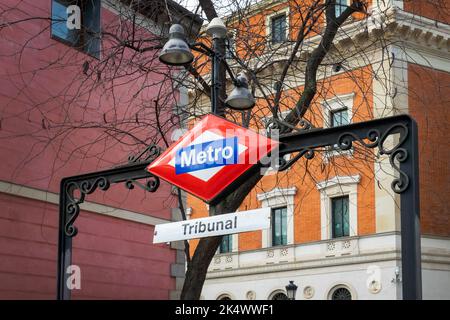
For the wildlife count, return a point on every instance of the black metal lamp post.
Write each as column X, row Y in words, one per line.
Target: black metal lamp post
column 177, row 52
column 291, row 290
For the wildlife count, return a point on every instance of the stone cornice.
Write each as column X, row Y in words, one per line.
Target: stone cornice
column 277, row 192
column 339, row 180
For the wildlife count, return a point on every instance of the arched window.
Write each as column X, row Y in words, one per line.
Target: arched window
column 340, row 293
column 278, row 296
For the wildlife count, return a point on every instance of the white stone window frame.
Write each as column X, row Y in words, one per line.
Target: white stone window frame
column 337, row 187
column 277, row 198
column 269, row 18
column 344, row 101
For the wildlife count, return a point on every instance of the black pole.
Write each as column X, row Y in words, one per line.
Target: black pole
column 410, row 220
column 64, row 246
column 218, row 77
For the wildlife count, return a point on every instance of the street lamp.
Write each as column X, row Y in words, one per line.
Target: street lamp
column 177, row 52
column 240, row 97
column 291, row 289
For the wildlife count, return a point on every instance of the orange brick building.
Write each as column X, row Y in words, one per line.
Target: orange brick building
column 335, row 220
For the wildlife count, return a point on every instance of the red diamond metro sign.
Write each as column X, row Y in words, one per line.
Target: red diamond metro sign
column 211, row 160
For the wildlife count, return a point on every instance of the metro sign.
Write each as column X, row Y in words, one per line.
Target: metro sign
column 211, row 160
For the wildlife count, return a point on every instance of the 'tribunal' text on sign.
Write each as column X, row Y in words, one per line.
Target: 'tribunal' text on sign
column 213, row 226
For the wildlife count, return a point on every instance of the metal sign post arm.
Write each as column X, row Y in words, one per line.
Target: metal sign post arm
column 69, row 204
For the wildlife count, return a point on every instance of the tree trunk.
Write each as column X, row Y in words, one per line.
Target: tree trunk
column 207, row 247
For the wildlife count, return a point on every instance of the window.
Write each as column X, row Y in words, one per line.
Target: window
column 341, row 5
column 339, row 117
column 340, row 217
column 83, row 35
column 278, row 199
column 279, row 296
column 341, row 294
column 227, row 244
column 278, row 26
column 331, row 190
column 279, row 226
column 231, row 48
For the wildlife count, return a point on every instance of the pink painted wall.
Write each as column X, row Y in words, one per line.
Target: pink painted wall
column 116, row 257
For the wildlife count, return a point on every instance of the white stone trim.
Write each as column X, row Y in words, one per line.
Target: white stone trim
column 279, row 197
column 308, row 257
column 335, row 187
column 338, row 180
column 276, row 192
column 53, row 198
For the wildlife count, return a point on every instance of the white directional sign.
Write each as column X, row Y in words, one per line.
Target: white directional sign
column 213, row 226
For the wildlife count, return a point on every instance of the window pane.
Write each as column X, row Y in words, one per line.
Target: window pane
column 340, row 7
column 277, row 229
column 279, row 226
column 340, row 217
column 284, row 226
column 231, row 48
column 59, row 22
column 226, row 244
column 345, row 218
column 339, row 118
column 279, row 29
column 92, row 26
column 88, row 37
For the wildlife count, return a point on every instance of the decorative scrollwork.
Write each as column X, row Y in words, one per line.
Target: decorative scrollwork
column 148, row 154
column 308, row 153
column 305, row 125
column 278, row 124
column 89, row 186
column 400, row 184
column 73, row 203
column 345, row 140
column 151, row 185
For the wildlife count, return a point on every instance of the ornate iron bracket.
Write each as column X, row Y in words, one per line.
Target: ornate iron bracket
column 376, row 139
column 275, row 123
column 73, row 192
column 403, row 157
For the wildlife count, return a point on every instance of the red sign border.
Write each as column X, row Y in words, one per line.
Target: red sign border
column 241, row 172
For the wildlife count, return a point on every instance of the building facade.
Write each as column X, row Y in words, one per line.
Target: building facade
column 335, row 228
column 66, row 96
